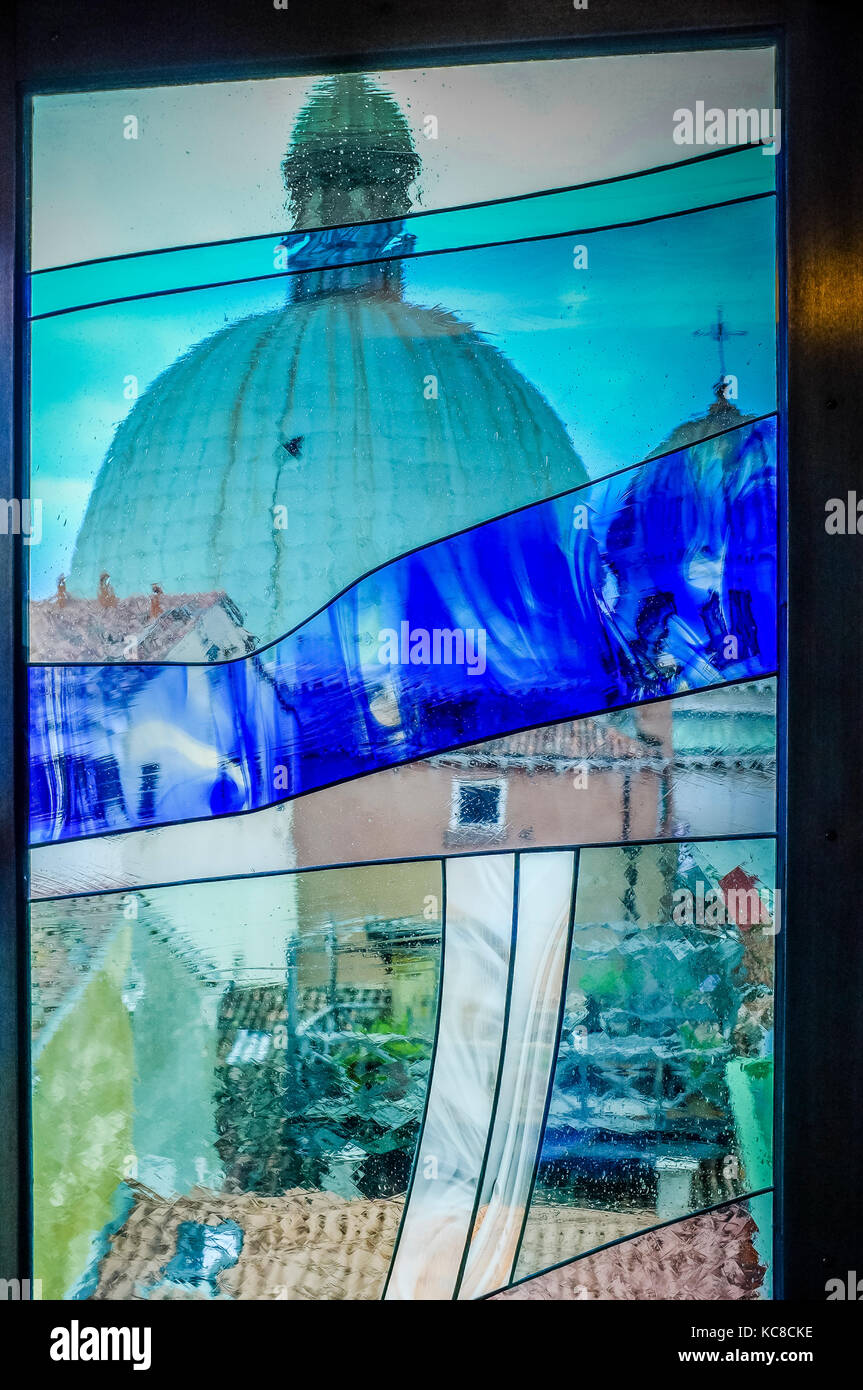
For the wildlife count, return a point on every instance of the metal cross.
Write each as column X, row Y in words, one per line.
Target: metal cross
column 718, row 332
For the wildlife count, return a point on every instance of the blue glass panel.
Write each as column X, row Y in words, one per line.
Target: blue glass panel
column 654, row 581
column 732, row 174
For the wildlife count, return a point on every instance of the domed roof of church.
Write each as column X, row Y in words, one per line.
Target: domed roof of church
column 295, row 450
column 721, row 415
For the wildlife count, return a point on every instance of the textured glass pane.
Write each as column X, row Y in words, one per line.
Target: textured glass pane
column 229, row 1082
column 479, row 933
column 382, row 392
column 656, row 580
column 545, row 896
column 702, row 764
column 402, row 617
column 662, row 1095
column 742, row 174
column 718, row 1255
column 497, row 130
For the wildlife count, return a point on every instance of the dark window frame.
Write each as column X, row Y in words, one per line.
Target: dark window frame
column 819, row 1123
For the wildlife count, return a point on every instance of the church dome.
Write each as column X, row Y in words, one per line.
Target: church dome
column 295, row 450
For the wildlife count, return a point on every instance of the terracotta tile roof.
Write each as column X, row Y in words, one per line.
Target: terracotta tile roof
column 83, row 629
column 317, row 1246
column 572, row 740
column 302, row 1245
column 709, row 1257
column 556, row 1232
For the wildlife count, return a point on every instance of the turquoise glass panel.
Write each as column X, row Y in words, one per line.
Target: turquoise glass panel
column 276, row 452
column 729, row 175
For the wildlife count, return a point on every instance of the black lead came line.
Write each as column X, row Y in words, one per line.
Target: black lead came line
column 401, row 257
column 633, row 1235
column 406, row 762
column 406, row 554
column 738, row 837
column 408, row 216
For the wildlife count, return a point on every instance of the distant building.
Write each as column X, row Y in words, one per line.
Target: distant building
column 184, row 627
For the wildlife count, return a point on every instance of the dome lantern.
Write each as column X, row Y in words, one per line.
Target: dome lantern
column 348, row 174
column 351, row 158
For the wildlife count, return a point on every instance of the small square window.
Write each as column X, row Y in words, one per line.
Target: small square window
column 478, row 804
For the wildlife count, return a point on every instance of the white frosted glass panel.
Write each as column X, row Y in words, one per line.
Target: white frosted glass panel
column 477, row 939
column 544, row 904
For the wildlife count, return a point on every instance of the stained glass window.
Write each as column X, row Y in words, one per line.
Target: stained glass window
column 402, row 632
